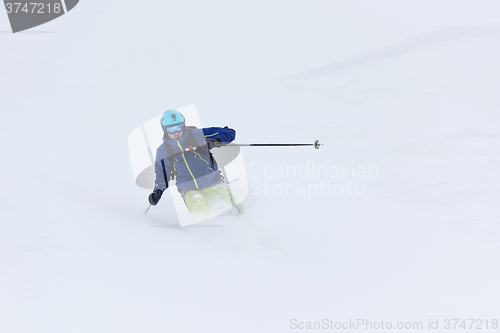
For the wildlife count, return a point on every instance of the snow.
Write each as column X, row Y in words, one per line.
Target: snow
column 410, row 88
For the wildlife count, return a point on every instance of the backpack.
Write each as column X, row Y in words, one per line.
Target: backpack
column 192, row 143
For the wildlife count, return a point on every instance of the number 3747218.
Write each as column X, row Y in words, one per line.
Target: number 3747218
column 32, row 8
column 471, row 324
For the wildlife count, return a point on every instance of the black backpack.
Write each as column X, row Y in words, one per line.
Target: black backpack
column 192, row 143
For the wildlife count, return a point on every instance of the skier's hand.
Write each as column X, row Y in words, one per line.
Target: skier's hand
column 214, row 143
column 155, row 197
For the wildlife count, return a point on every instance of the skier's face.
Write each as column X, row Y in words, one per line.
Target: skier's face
column 176, row 135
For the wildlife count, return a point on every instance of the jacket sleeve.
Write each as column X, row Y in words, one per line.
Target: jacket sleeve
column 163, row 170
column 225, row 134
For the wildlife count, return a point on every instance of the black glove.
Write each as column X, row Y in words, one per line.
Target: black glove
column 155, row 197
column 214, row 143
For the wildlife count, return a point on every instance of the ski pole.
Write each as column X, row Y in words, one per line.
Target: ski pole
column 316, row 145
column 148, row 209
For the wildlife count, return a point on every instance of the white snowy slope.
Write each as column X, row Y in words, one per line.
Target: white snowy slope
column 403, row 95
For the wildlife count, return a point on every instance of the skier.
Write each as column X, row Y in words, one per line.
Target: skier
column 198, row 179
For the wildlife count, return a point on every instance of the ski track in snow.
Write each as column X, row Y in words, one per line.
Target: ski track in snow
column 456, row 169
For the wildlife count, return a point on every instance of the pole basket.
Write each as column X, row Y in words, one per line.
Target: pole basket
column 316, row 144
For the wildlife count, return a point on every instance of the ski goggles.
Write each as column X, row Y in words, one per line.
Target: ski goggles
column 175, row 128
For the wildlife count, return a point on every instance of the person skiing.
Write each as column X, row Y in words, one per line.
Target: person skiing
column 197, row 176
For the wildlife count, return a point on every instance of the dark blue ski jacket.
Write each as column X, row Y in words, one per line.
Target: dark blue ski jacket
column 193, row 169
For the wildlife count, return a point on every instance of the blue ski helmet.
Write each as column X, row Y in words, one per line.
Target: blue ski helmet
column 170, row 118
